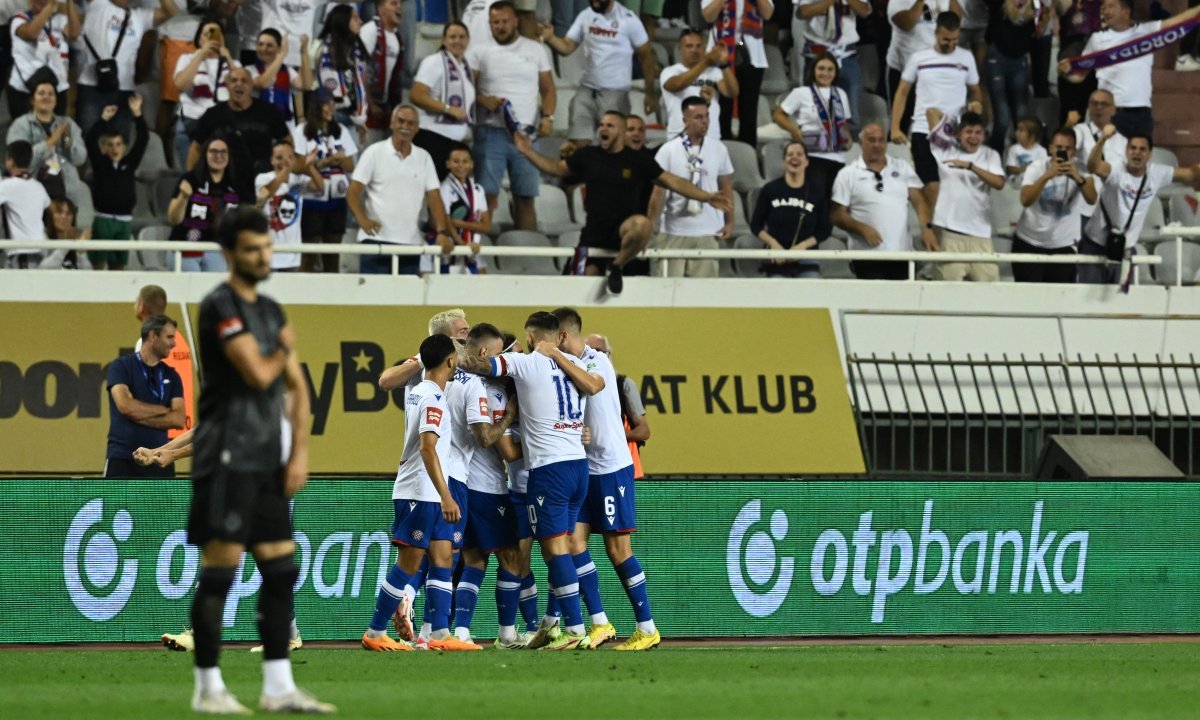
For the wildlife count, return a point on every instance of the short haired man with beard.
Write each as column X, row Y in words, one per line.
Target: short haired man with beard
column 240, row 492
column 145, row 398
column 697, row 74
column 1124, row 203
column 616, row 178
column 610, row 34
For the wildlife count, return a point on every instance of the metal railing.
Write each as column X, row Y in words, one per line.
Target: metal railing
column 927, row 416
column 913, row 258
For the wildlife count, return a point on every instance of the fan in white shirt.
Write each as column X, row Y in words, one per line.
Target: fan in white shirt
column 697, row 74
column 1124, row 202
column 23, row 201
column 963, row 213
column 279, row 194
column 1054, row 194
column 1101, row 109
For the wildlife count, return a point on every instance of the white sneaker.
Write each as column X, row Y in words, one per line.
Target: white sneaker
column 294, row 644
column 183, row 642
column 297, row 701
column 1187, row 63
column 220, row 702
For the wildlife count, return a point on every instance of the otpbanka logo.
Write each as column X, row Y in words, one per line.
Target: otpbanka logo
column 91, row 586
column 761, row 578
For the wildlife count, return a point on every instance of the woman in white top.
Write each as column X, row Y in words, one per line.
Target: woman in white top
column 444, row 92
column 340, row 64
column 333, row 149
column 200, row 78
column 817, row 115
column 40, row 38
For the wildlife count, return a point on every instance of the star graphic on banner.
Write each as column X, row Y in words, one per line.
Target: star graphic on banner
column 362, row 361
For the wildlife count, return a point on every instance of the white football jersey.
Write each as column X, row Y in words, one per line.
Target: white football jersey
column 467, row 399
column 551, row 407
column 609, row 450
column 518, row 471
column 425, row 410
column 486, row 473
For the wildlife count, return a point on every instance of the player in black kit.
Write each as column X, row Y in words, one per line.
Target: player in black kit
column 239, row 490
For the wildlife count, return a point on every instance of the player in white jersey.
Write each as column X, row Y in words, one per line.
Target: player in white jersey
column 552, row 442
column 425, row 509
column 610, row 507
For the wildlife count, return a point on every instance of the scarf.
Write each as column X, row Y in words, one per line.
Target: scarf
column 348, row 87
column 835, row 135
column 463, row 208
column 725, row 31
column 279, row 93
column 386, row 91
column 454, row 85
column 695, row 162
column 1135, row 48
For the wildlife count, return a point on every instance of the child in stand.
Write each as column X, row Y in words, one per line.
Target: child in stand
column 60, row 224
column 278, row 194
column 22, row 202
column 114, row 187
column 467, row 208
column 1027, row 149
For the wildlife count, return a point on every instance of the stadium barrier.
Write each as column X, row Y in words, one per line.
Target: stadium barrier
column 107, row 561
column 913, row 258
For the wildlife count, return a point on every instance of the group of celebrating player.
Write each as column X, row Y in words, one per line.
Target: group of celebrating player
column 481, row 475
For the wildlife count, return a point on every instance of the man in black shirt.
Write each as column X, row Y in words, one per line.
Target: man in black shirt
column 239, row 491
column 145, row 399
column 617, row 178
column 251, row 126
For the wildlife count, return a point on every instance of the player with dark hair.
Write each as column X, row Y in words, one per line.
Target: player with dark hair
column 239, row 491
column 610, row 507
column 552, row 442
column 425, row 509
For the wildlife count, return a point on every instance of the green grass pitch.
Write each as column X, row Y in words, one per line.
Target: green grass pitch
column 1124, row 681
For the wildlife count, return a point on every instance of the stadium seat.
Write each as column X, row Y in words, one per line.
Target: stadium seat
column 741, row 221
column 502, row 216
column 425, row 46
column 751, row 203
column 775, row 79
column 901, row 152
column 568, row 239
column 662, row 57
column 746, row 175
column 562, row 113
column 154, row 162
column 836, row 269
column 868, row 63
column 746, row 268
column 164, row 190
column 151, row 93
column 524, row 265
column 1045, row 110
column 637, row 106
column 1164, row 156
column 1155, row 219
column 570, row 67
column 1003, row 246
column 1185, row 209
column 155, row 260
column 553, row 213
column 1006, row 210
column 549, row 145
column 765, row 105
column 1169, row 272
column 873, row 109
column 772, row 160
column 431, row 30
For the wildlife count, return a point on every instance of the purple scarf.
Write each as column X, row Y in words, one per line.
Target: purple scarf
column 1135, row 48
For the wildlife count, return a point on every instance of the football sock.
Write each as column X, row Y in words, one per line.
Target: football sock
column 466, row 596
column 274, row 606
column 589, row 586
column 566, row 587
column 529, row 602
column 634, row 581
column 508, row 597
column 277, row 677
column 208, row 606
column 391, row 592
column 208, row 679
column 438, row 595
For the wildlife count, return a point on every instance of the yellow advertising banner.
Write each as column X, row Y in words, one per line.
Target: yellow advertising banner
column 727, row 391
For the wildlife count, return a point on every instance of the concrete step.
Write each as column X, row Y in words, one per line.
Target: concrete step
column 1177, row 133
column 1174, row 81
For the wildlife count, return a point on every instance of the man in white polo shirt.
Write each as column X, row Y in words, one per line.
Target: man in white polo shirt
column 693, row 224
column 396, row 177
column 1124, row 203
column 1101, row 108
column 945, row 76
column 697, row 74
column 1129, row 81
column 871, row 197
column 610, row 34
column 510, row 73
column 963, row 214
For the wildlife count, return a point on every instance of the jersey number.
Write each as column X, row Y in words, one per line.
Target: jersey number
column 566, row 410
column 610, row 506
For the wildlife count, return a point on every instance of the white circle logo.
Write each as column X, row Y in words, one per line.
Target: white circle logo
column 102, row 586
column 758, row 575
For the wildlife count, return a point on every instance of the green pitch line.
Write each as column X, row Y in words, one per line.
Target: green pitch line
column 1158, row 681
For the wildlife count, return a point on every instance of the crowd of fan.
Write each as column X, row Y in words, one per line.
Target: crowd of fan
column 310, row 112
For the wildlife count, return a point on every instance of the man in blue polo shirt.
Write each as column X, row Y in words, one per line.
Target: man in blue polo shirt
column 145, row 399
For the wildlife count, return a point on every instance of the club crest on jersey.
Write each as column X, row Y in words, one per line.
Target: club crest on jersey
column 458, row 537
column 417, row 535
column 433, row 416
column 541, row 499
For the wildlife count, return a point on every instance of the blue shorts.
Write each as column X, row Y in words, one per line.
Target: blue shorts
column 493, row 522
column 520, row 507
column 418, row 522
column 556, row 493
column 610, row 505
column 494, row 154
